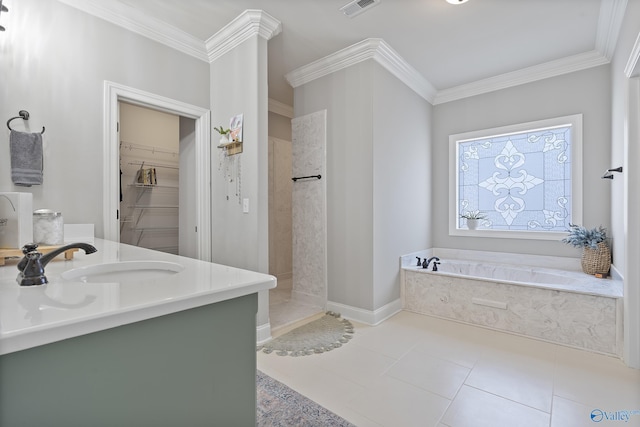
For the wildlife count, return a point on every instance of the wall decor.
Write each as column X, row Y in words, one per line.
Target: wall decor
column 231, row 139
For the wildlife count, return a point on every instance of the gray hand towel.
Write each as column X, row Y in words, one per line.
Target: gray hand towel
column 26, row 158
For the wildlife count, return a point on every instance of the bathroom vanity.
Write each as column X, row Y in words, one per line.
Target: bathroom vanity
column 152, row 339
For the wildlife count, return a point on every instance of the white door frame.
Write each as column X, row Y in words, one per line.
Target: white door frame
column 113, row 93
column 631, row 310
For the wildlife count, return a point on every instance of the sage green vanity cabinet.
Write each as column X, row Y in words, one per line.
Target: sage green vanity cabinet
column 190, row 368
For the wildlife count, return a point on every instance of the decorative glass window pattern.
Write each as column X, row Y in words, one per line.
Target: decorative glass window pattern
column 519, row 178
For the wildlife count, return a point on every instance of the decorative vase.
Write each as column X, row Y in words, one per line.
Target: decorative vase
column 596, row 261
column 472, row 223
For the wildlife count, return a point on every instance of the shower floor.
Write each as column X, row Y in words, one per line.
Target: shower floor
column 284, row 311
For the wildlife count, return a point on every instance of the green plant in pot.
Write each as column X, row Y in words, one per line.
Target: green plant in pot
column 224, row 134
column 596, row 255
column 472, row 218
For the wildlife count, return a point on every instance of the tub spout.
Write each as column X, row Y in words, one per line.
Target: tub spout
column 31, row 267
column 428, row 261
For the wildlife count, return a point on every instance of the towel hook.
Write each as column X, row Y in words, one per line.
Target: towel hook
column 22, row 114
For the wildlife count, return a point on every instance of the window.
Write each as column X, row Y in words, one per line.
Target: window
column 525, row 179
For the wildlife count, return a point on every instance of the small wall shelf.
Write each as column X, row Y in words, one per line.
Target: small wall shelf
column 231, row 147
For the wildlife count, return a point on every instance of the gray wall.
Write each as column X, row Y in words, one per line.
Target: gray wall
column 239, row 85
column 377, row 156
column 55, row 60
column 240, row 239
column 402, row 180
column 587, row 92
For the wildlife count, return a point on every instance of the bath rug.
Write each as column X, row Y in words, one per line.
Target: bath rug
column 324, row 334
column 278, row 405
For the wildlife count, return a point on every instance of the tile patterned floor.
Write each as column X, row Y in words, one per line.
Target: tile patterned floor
column 414, row 370
column 283, row 311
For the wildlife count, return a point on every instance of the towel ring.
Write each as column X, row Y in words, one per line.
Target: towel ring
column 22, row 114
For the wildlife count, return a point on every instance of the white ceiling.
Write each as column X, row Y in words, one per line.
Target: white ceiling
column 451, row 46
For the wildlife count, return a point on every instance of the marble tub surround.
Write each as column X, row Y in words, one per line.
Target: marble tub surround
column 561, row 306
column 34, row 316
column 545, row 278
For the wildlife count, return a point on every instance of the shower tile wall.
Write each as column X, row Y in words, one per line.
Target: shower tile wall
column 280, row 192
column 309, row 209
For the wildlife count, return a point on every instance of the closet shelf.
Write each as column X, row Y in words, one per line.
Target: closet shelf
column 153, row 165
column 153, row 207
column 144, row 186
column 155, row 228
column 131, row 146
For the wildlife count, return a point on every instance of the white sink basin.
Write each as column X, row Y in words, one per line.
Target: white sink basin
column 124, row 271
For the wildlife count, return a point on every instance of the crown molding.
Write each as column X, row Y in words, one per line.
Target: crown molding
column 609, row 24
column 373, row 48
column 632, row 69
column 247, row 24
column 137, row 22
column 280, row 108
column 546, row 70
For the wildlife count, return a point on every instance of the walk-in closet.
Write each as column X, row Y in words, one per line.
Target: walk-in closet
column 150, row 178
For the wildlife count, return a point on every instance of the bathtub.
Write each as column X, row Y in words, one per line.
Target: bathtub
column 563, row 306
column 549, row 278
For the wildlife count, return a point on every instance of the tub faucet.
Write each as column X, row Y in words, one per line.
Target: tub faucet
column 31, row 267
column 428, row 261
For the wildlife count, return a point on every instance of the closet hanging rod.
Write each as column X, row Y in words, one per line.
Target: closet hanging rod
column 306, row 177
column 132, row 146
column 153, row 165
column 22, row 114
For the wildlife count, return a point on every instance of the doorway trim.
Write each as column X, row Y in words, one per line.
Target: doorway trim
column 631, row 309
column 114, row 93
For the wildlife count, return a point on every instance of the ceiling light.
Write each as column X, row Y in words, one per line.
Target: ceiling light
column 457, row 1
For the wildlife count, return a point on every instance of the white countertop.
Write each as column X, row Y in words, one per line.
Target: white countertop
column 37, row 315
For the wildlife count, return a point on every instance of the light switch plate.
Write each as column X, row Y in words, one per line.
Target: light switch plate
column 245, row 205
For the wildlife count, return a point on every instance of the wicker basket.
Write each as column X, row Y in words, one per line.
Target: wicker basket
column 596, row 260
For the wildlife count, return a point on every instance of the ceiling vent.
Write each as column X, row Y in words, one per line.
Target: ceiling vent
column 356, row 7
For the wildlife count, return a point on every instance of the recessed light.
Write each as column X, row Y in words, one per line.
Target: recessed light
column 457, row 1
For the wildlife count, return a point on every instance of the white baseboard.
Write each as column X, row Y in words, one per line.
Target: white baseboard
column 366, row 316
column 263, row 333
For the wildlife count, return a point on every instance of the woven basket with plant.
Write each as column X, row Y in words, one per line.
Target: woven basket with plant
column 596, row 255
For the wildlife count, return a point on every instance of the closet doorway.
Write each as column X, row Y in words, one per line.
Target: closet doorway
column 195, row 127
column 152, row 157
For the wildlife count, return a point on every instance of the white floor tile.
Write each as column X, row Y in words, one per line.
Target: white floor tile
column 403, row 371
column 430, row 373
column 456, row 350
column 284, row 311
column 477, row 408
column 389, row 339
column 394, row 403
column 596, row 380
column 355, row 363
column 524, row 380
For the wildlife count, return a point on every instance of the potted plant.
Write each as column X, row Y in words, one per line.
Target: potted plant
column 596, row 255
column 224, row 134
column 472, row 218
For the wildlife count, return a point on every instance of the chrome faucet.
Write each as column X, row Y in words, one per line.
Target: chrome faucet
column 32, row 266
